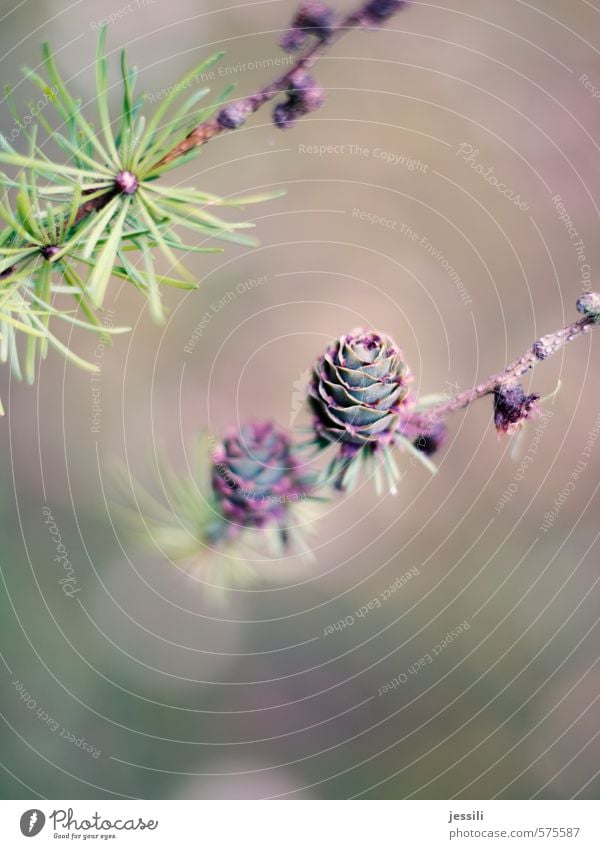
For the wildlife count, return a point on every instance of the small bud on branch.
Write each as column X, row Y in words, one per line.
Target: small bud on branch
column 111, row 176
column 362, row 408
column 378, row 11
column 303, row 96
column 312, row 18
column 511, row 405
column 589, row 306
column 327, row 32
column 430, row 441
column 360, row 400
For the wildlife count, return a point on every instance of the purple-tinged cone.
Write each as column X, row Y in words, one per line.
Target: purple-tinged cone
column 358, row 390
column 256, row 478
column 512, row 407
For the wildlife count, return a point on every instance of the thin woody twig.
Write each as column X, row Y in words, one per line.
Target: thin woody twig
column 414, row 423
column 369, row 14
column 253, row 102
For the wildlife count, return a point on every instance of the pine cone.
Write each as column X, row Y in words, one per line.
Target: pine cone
column 256, row 478
column 358, row 389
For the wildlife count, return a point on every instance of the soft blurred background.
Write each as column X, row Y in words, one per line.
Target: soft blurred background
column 146, row 683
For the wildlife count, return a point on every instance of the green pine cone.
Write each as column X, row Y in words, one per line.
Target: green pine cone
column 357, row 390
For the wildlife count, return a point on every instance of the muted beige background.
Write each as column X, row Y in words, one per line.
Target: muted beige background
column 186, row 697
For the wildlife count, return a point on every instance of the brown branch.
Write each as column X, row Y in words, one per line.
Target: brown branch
column 370, row 13
column 94, row 205
column 253, row 102
column 421, row 422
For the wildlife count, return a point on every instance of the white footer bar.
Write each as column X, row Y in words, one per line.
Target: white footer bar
column 303, row 824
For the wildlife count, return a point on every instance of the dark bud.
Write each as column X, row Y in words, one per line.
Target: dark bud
column 283, row 116
column 49, row 252
column 316, row 17
column 512, row 407
column 312, row 18
column 378, row 11
column 589, row 305
column 303, row 96
column 431, row 440
column 126, row 183
column 541, row 349
column 293, row 40
column 305, row 93
column 235, row 115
